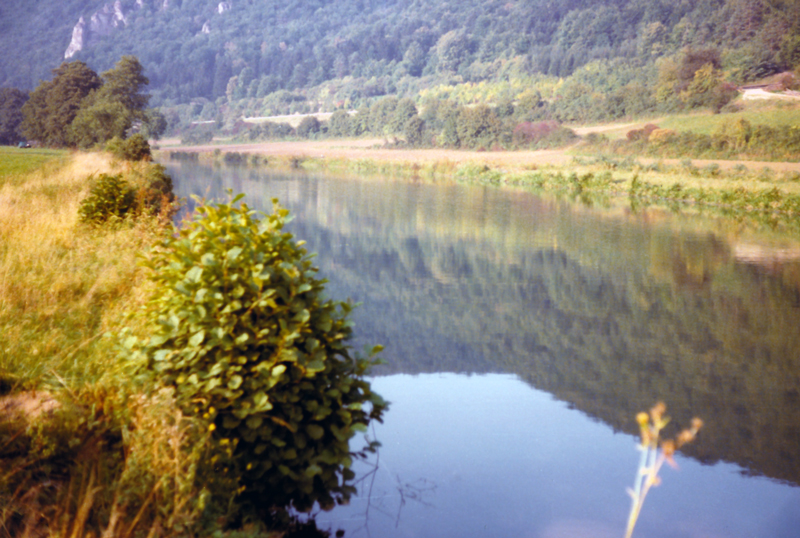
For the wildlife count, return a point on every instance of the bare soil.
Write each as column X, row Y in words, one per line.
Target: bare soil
column 27, row 405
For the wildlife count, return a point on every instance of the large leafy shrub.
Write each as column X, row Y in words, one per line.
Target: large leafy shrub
column 244, row 334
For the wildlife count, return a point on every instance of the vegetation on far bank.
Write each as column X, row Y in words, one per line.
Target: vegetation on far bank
column 758, row 193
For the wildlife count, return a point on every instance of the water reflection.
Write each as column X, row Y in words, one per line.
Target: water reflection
column 605, row 311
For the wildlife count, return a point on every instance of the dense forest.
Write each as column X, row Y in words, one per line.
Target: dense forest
column 217, row 60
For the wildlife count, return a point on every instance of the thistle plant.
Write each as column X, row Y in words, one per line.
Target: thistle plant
column 654, row 453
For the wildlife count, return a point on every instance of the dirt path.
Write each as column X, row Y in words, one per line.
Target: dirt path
column 751, row 94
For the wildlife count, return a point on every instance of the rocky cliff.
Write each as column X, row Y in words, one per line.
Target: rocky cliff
column 101, row 23
column 112, row 16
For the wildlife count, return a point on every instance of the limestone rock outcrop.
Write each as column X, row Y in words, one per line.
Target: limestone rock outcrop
column 101, row 23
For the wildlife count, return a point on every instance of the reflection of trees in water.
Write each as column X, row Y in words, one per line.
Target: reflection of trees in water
column 605, row 314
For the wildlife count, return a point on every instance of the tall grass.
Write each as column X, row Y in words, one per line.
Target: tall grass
column 89, row 446
column 62, row 284
column 108, row 456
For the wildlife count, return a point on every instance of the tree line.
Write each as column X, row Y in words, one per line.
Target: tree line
column 79, row 108
column 369, row 48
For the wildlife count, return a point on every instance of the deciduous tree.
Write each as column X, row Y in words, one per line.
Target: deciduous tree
column 11, row 102
column 54, row 104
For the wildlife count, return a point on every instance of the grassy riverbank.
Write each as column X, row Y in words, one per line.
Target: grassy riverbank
column 91, row 444
column 767, row 192
column 66, row 399
column 86, row 447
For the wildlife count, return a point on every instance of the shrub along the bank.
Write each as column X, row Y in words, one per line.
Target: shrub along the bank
column 114, row 197
column 439, row 124
column 733, row 139
column 242, row 331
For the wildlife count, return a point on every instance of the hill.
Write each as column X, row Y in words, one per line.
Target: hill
column 268, row 57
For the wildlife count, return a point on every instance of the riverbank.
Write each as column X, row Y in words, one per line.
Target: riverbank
column 378, row 151
column 765, row 191
column 87, row 448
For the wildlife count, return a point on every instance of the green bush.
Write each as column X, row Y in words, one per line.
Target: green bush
column 309, row 126
column 242, row 331
column 111, row 197
column 134, row 148
column 155, row 194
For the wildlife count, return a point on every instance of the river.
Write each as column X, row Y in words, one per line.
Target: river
column 523, row 334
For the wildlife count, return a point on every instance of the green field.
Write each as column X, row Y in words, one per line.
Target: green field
column 15, row 161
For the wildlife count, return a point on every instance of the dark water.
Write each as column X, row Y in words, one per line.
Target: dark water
column 522, row 336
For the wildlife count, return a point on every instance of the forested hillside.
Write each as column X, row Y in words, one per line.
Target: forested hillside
column 265, row 56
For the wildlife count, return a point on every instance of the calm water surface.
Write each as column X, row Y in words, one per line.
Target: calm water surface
column 522, row 336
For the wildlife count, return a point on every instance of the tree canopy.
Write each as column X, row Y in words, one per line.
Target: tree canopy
column 78, row 107
column 54, row 104
column 11, row 102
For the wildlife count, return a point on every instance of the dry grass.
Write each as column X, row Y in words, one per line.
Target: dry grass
column 62, row 284
column 132, row 468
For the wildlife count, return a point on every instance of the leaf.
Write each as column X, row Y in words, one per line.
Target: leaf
column 197, row 338
column 315, row 432
column 233, row 253
column 194, row 274
column 261, row 402
column 313, row 470
column 254, row 422
column 235, row 382
column 315, row 366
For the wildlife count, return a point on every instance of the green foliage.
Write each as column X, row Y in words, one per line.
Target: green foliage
column 478, row 127
column 53, row 105
column 308, row 127
column 414, row 131
column 99, row 122
column 11, row 102
column 155, row 195
column 110, row 198
column 339, row 124
column 731, row 138
column 243, row 332
column 79, row 108
column 135, row 148
column 349, row 53
column 141, row 191
column 154, row 125
column 269, row 131
column 124, row 84
column 199, row 135
column 110, row 111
